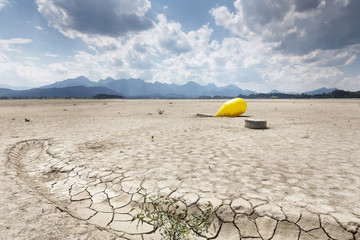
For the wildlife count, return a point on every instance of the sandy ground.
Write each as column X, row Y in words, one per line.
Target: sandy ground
column 306, row 164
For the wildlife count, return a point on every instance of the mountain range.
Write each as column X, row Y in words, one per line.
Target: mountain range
column 131, row 88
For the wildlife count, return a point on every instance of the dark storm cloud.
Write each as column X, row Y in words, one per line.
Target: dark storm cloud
column 102, row 17
column 336, row 26
column 301, row 26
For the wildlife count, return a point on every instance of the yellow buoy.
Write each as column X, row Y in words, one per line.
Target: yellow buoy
column 232, row 108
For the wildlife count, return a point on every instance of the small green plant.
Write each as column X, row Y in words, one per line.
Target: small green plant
column 27, row 120
column 173, row 223
column 160, row 111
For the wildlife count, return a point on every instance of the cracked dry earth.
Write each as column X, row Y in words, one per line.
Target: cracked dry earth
column 74, row 170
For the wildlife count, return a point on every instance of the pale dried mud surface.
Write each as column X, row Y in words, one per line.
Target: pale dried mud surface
column 72, row 170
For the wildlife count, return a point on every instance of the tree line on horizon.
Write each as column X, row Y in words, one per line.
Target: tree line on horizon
column 334, row 94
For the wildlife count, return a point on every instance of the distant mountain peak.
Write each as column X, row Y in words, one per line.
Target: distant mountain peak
column 81, row 77
column 191, row 83
column 322, row 90
column 104, row 81
column 72, row 82
column 274, row 91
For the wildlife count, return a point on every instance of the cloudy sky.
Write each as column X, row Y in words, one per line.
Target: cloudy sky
column 289, row 45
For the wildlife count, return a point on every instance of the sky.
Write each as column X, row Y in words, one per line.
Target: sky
column 261, row 45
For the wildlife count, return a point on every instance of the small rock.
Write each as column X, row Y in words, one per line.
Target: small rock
column 255, row 123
